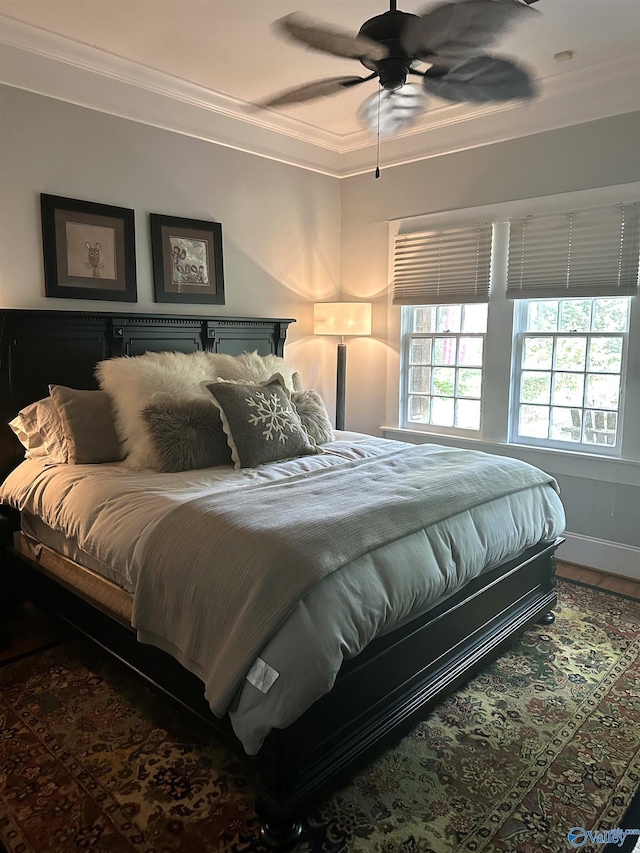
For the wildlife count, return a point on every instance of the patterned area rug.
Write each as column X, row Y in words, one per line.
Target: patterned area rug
column 543, row 740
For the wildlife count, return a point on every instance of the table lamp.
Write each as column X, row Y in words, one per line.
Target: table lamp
column 344, row 319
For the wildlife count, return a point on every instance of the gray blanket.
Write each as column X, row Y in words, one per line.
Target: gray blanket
column 220, row 574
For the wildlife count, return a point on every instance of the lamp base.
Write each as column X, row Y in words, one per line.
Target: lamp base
column 340, row 385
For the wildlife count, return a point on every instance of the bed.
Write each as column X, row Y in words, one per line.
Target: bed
column 307, row 721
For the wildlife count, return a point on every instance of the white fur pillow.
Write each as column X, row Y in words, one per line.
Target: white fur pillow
column 132, row 383
column 251, row 367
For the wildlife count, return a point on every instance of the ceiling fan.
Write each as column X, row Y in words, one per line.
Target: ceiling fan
column 451, row 38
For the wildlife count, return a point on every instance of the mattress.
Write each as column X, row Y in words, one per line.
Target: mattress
column 338, row 617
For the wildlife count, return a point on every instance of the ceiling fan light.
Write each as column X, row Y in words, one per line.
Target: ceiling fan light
column 390, row 112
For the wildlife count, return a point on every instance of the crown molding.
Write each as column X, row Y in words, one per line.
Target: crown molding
column 84, row 57
column 58, row 67
column 55, row 66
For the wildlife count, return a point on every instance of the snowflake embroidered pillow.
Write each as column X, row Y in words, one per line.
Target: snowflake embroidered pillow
column 260, row 422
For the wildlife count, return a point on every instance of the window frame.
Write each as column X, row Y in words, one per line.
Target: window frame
column 495, row 436
column 408, row 335
column 519, row 335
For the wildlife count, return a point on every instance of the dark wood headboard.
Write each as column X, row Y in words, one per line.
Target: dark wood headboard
column 38, row 348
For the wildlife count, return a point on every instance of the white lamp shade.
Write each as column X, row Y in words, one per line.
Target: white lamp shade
column 342, row 318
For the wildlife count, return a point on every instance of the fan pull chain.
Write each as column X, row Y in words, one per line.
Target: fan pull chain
column 378, row 143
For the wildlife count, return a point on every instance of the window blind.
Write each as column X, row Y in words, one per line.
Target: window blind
column 585, row 253
column 441, row 267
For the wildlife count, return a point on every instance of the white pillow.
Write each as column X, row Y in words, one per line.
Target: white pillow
column 251, row 367
column 39, row 430
column 132, row 382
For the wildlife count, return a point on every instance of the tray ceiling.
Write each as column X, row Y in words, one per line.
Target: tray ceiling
column 206, row 61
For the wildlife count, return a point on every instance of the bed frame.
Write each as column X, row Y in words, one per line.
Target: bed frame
column 394, row 682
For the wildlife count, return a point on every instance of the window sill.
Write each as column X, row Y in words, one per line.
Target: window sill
column 591, row 466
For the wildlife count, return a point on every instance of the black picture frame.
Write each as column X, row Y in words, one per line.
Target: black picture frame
column 187, row 260
column 89, row 250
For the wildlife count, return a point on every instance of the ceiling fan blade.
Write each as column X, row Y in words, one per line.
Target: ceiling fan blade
column 463, row 29
column 479, row 80
column 392, row 111
column 316, row 89
column 321, row 37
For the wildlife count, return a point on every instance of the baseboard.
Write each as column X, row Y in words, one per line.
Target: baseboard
column 611, row 557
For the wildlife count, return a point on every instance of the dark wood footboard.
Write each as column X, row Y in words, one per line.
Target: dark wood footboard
column 398, row 678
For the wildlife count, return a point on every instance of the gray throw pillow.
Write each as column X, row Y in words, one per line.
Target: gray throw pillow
column 260, row 422
column 313, row 415
column 186, row 434
column 88, row 428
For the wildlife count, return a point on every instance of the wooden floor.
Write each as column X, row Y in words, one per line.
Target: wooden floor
column 31, row 629
column 613, row 583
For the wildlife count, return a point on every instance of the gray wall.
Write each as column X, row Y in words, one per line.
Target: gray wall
column 597, row 154
column 606, row 511
column 280, row 224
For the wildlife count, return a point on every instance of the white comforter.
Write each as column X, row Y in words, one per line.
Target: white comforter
column 110, row 511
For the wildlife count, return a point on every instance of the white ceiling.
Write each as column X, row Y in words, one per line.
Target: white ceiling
column 224, row 55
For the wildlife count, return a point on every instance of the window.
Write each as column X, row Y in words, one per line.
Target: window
column 445, row 358
column 569, row 362
column 518, row 330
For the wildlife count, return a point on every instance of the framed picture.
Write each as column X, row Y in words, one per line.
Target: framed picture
column 89, row 249
column 187, row 260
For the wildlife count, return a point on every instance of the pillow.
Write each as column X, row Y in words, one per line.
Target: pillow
column 313, row 415
column 87, row 425
column 132, row 381
column 260, row 422
column 186, row 434
column 251, row 367
column 39, row 430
